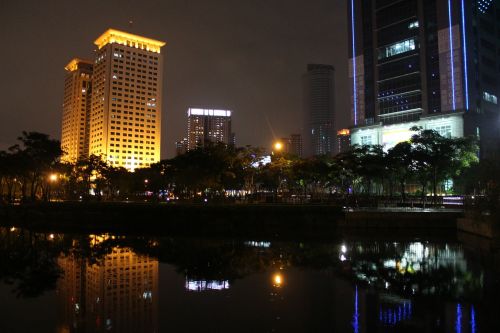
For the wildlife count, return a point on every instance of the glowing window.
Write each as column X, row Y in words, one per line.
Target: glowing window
column 397, row 48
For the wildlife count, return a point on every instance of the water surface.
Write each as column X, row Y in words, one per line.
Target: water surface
column 113, row 283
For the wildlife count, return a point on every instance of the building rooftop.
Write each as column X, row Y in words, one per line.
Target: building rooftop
column 73, row 65
column 125, row 38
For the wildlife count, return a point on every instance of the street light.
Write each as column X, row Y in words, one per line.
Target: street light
column 278, row 146
column 52, row 178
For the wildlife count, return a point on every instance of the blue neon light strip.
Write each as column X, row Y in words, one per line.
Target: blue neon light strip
column 465, row 59
column 354, row 90
column 472, row 320
column 458, row 321
column 355, row 319
column 451, row 56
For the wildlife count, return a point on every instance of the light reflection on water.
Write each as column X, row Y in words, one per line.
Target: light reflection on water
column 108, row 283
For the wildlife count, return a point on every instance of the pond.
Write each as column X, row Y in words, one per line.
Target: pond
column 54, row 282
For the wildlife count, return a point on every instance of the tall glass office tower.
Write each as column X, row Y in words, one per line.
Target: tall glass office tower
column 428, row 63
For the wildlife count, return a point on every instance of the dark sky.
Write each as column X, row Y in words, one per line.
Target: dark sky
column 247, row 56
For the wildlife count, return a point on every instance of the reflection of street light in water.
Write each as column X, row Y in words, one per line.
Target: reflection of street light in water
column 277, row 280
column 277, row 297
column 53, row 177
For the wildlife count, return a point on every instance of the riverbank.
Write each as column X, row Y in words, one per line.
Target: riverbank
column 267, row 220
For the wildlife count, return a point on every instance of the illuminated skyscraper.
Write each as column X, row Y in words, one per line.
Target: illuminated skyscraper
column 76, row 109
column 424, row 63
column 319, row 108
column 207, row 125
column 125, row 121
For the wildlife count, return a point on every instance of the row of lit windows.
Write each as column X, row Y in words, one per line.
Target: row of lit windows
column 122, row 51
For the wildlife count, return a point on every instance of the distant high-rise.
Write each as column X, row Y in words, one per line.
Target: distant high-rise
column 208, row 125
column 181, row 147
column 319, row 108
column 296, row 146
column 425, row 63
column 343, row 140
column 125, row 122
column 76, row 109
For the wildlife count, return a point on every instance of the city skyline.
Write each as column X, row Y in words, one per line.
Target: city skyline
column 256, row 74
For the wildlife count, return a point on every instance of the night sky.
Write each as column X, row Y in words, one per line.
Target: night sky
column 247, row 56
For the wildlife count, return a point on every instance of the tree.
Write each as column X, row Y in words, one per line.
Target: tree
column 440, row 158
column 400, row 162
column 40, row 155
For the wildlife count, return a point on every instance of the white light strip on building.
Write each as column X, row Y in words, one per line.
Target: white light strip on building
column 209, row 112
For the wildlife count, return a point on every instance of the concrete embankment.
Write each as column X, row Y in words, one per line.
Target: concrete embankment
column 481, row 225
column 268, row 221
column 401, row 219
column 219, row 220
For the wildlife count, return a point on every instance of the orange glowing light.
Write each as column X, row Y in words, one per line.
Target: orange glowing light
column 344, row 131
column 277, row 280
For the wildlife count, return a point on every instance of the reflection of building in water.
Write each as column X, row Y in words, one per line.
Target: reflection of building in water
column 203, row 285
column 405, row 258
column 394, row 310
column 258, row 244
column 390, row 271
column 119, row 294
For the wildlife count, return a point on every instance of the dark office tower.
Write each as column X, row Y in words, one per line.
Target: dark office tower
column 319, row 105
column 296, row 145
column 428, row 63
column 343, row 140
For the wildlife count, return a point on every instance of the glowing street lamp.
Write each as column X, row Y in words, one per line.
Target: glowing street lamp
column 53, row 177
column 278, row 146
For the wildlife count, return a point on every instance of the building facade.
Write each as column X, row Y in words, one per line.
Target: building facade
column 343, row 140
column 319, row 108
column 76, row 109
column 429, row 63
column 181, row 147
column 125, row 119
column 208, row 125
column 296, row 145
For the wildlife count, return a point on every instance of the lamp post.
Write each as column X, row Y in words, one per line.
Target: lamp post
column 52, row 180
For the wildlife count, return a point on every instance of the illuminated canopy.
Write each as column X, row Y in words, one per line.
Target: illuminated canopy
column 125, row 38
column 73, row 64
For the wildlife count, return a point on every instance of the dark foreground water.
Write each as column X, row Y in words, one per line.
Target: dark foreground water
column 111, row 283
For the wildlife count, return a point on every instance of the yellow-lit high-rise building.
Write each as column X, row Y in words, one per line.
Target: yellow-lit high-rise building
column 76, row 109
column 125, row 119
